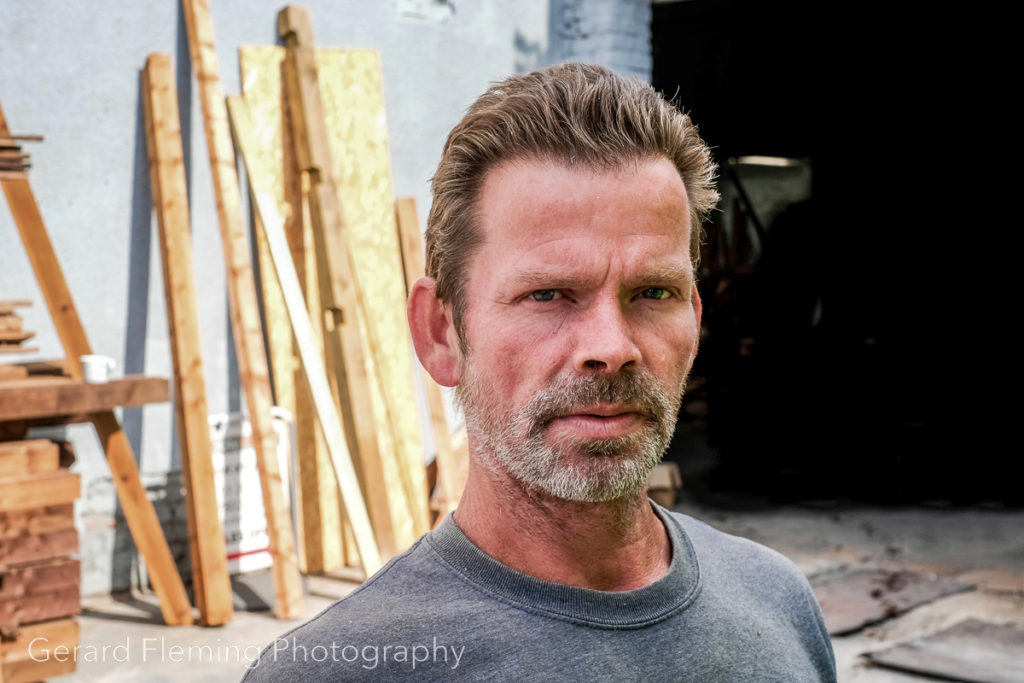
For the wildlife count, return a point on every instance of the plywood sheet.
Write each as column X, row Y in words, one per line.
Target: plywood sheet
column 353, row 99
column 321, row 514
column 353, row 96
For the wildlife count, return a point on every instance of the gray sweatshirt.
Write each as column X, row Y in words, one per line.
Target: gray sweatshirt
column 727, row 610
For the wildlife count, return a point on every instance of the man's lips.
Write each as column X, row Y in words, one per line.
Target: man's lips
column 599, row 421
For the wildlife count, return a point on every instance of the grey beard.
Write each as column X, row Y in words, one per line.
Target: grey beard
column 513, row 441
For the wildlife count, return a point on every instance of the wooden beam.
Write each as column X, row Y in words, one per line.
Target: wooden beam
column 320, row 512
column 245, row 320
column 46, row 546
column 18, row 658
column 37, row 520
column 212, row 585
column 326, row 410
column 138, row 511
column 339, row 299
column 33, row 397
column 28, row 457
column 341, row 291
column 452, row 472
column 39, row 578
column 39, row 490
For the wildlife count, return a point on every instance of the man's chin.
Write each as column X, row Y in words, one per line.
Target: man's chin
column 590, row 473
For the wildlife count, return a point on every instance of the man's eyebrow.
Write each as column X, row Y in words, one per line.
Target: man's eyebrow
column 555, row 279
column 667, row 274
column 547, row 278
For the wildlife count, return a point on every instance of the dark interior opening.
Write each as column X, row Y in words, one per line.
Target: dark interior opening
column 859, row 339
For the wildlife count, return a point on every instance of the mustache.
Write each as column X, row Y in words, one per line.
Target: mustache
column 638, row 391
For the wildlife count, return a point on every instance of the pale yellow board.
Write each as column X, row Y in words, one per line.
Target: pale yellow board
column 321, row 517
column 353, row 99
column 353, row 95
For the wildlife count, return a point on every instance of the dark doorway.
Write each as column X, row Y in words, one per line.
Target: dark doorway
column 856, row 334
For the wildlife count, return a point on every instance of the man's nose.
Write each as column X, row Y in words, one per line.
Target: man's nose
column 604, row 339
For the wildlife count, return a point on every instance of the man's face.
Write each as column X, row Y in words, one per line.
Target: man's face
column 581, row 322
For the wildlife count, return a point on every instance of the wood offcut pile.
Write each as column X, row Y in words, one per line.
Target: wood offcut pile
column 12, row 336
column 39, row 573
column 321, row 333
column 14, row 161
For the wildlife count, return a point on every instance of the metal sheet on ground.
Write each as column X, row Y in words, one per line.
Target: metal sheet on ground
column 972, row 650
column 855, row 600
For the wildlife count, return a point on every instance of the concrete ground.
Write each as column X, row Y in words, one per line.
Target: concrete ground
column 981, row 546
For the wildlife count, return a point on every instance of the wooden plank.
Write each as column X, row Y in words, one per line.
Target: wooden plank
column 28, row 671
column 38, row 548
column 49, row 396
column 971, row 650
column 37, row 520
column 142, row 521
column 28, row 457
column 39, row 642
column 212, row 585
column 319, row 508
column 330, row 423
column 451, row 473
column 360, row 243
column 138, row 511
column 39, row 490
column 8, row 305
column 353, row 96
column 16, row 337
column 12, row 348
column 245, row 320
column 24, row 369
column 39, row 578
column 56, row 632
column 9, row 322
column 31, row 608
column 341, row 312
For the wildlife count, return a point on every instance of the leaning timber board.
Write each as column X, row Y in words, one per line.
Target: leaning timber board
column 353, row 98
column 321, row 514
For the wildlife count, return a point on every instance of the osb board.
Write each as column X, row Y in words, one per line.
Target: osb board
column 972, row 650
column 322, row 518
column 353, row 99
column 860, row 598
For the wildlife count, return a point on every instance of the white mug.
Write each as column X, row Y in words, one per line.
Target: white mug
column 96, row 369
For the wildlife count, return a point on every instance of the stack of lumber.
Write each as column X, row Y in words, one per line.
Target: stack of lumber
column 13, row 161
column 39, row 576
column 11, row 334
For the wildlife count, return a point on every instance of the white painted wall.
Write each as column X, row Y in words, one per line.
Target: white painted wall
column 71, row 72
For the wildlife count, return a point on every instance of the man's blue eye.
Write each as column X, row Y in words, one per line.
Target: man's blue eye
column 656, row 293
column 544, row 295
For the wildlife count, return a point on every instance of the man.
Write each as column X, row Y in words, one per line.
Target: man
column 561, row 305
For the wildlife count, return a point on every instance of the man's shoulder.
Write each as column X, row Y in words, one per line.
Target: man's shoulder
column 720, row 554
column 411, row 588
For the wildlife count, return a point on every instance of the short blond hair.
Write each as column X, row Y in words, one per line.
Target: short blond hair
column 575, row 114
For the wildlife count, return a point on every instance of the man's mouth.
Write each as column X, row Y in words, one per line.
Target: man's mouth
column 604, row 421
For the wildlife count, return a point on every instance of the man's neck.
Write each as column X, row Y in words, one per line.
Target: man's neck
column 612, row 546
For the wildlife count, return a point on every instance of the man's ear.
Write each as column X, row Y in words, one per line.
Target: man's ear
column 697, row 306
column 433, row 333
